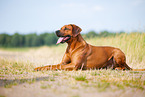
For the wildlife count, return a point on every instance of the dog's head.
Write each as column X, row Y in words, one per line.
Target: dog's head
column 67, row 32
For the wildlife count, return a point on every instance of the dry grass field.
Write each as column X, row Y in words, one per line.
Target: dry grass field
column 18, row 78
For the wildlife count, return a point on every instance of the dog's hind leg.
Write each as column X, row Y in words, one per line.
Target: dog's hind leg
column 120, row 60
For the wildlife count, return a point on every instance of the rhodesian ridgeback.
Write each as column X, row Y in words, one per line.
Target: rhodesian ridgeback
column 81, row 55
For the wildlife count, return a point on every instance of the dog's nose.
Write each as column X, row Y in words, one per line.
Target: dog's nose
column 57, row 31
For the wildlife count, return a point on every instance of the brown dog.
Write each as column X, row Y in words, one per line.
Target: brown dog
column 81, row 55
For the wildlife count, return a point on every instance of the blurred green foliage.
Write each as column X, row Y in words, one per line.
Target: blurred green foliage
column 29, row 40
column 34, row 40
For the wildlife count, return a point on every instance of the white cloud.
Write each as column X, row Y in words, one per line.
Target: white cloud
column 137, row 2
column 98, row 8
column 72, row 5
column 82, row 7
column 79, row 10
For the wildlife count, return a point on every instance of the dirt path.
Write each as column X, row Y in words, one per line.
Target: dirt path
column 17, row 78
column 60, row 87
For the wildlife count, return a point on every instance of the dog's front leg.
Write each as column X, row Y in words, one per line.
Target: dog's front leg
column 48, row 67
column 69, row 67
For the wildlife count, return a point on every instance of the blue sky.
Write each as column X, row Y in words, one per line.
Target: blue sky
column 27, row 16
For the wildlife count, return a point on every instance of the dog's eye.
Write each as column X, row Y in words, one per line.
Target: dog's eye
column 66, row 29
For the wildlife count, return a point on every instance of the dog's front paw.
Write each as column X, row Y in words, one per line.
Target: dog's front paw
column 119, row 68
column 38, row 69
column 42, row 68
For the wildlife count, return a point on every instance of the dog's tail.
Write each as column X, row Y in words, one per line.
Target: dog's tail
column 133, row 69
column 138, row 69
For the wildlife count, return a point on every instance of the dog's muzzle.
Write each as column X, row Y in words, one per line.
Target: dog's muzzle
column 62, row 38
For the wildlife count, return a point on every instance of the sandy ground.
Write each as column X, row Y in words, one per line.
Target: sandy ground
column 64, row 90
column 59, row 86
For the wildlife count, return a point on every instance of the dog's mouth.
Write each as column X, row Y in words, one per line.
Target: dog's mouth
column 63, row 39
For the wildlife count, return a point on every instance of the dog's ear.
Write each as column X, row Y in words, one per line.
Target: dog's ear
column 76, row 30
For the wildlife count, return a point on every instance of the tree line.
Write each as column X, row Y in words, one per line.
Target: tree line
column 33, row 40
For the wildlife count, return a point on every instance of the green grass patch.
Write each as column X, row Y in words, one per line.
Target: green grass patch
column 15, row 67
column 80, row 77
column 18, row 49
column 10, row 85
column 46, row 86
column 2, row 96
